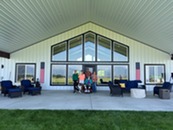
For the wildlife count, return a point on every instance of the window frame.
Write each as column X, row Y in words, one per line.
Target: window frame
column 78, row 71
column 113, row 71
column 146, row 75
column 65, row 83
column 103, row 77
column 52, row 47
column 82, row 62
column 95, row 46
column 24, row 64
column 127, row 49
column 68, row 48
column 98, row 51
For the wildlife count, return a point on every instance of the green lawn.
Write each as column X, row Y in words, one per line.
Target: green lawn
column 84, row 120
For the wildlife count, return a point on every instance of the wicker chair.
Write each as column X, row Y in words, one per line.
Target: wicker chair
column 166, row 85
column 28, row 87
column 7, row 87
column 115, row 89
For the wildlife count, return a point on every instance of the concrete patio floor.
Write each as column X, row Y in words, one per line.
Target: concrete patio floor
column 101, row 100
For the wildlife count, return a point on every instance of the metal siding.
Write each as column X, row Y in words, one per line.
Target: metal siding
column 40, row 52
column 6, row 72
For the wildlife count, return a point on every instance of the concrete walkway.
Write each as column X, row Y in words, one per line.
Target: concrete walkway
column 66, row 100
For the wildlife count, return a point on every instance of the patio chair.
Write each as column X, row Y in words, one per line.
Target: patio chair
column 28, row 87
column 7, row 87
column 166, row 85
column 115, row 89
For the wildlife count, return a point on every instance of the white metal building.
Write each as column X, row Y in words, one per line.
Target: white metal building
column 29, row 30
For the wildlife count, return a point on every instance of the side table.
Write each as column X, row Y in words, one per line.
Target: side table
column 137, row 93
column 164, row 93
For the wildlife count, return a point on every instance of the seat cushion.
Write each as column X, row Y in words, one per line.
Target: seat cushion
column 33, row 89
column 14, row 90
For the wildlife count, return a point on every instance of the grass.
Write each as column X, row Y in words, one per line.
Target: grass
column 84, row 120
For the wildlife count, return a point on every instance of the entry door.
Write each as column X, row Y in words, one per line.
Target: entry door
column 91, row 68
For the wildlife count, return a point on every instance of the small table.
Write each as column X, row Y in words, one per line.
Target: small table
column 164, row 93
column 137, row 93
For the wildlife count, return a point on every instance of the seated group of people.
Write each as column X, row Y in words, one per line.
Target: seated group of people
column 84, row 82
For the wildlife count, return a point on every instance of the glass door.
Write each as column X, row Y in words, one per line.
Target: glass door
column 91, row 68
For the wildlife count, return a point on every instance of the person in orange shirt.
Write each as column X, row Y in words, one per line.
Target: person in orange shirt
column 81, row 80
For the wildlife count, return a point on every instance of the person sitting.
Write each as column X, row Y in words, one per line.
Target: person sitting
column 88, row 83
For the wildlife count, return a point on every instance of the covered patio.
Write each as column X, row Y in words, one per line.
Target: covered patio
column 101, row 100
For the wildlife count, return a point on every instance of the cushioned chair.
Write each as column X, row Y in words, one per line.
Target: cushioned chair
column 7, row 87
column 115, row 89
column 166, row 85
column 28, row 87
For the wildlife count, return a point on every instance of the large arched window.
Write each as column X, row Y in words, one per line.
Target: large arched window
column 109, row 57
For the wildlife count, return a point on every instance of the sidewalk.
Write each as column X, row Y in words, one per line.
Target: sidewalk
column 67, row 100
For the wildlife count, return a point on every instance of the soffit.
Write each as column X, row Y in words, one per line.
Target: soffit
column 25, row 22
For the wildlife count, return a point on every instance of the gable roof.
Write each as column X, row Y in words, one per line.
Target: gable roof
column 26, row 22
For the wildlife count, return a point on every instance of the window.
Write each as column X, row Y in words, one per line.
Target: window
column 89, row 47
column 104, row 49
column 86, row 48
column 104, row 72
column 120, row 52
column 25, row 71
column 59, row 52
column 154, row 73
column 58, row 74
column 121, row 72
column 71, row 69
column 75, row 49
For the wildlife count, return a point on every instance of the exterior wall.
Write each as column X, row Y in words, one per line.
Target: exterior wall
column 7, row 70
column 41, row 52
